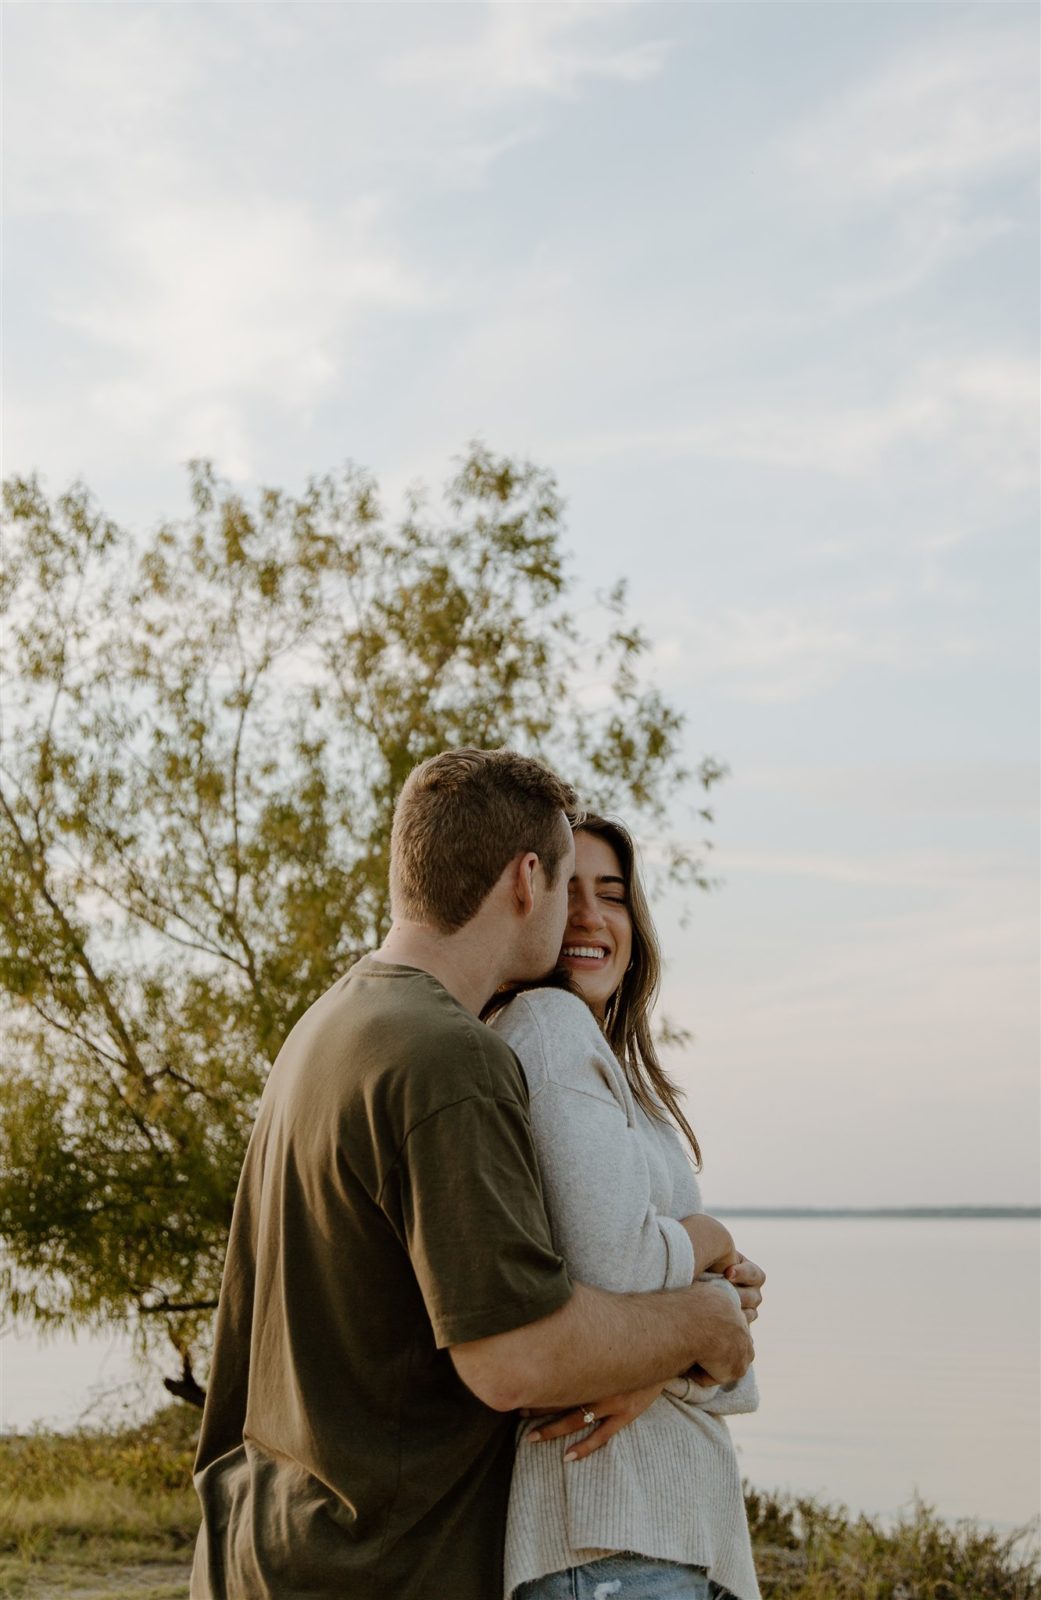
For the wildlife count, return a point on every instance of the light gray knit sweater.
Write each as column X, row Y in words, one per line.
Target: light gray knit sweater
column 616, row 1182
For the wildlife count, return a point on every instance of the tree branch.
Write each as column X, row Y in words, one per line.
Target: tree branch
column 186, row 1387
column 75, row 943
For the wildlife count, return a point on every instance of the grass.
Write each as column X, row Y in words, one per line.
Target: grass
column 808, row 1551
column 95, row 1515
column 101, row 1515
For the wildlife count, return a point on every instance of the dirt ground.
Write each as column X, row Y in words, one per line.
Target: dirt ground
column 144, row 1581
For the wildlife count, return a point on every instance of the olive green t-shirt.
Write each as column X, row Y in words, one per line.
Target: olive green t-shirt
column 389, row 1206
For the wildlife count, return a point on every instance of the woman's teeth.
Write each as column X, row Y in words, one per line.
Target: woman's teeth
column 586, row 951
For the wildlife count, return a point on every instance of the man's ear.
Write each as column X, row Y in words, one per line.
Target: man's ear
column 524, row 882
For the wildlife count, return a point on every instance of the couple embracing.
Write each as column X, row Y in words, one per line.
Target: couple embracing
column 444, row 1222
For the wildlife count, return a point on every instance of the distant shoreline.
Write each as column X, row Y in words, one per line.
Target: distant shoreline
column 928, row 1213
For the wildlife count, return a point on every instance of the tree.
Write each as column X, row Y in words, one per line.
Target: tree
column 204, row 731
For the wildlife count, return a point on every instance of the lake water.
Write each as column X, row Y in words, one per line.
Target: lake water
column 893, row 1356
column 897, row 1356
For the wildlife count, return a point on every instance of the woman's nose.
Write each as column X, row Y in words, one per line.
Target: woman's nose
column 584, row 912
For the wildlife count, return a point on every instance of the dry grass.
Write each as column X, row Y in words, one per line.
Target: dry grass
column 97, row 1515
column 807, row 1551
column 112, row 1516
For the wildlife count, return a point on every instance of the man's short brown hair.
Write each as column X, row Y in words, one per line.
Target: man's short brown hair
column 460, row 819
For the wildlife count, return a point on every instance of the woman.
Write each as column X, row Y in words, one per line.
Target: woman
column 644, row 1497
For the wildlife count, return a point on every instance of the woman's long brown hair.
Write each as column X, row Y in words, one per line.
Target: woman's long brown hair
column 627, row 1019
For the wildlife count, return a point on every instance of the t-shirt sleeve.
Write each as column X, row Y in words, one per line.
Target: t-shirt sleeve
column 466, row 1195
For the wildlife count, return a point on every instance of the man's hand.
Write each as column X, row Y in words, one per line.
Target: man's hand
column 727, row 1350
column 731, row 1354
column 611, row 1415
column 748, row 1280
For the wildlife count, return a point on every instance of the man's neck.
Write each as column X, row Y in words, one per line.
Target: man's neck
column 457, row 960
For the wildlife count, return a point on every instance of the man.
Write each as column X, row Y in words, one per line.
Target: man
column 391, row 1291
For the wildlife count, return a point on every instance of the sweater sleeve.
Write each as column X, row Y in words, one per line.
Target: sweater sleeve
column 721, row 1400
column 593, row 1160
column 734, row 1399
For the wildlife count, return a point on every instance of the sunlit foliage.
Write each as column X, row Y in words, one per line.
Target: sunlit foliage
column 203, row 733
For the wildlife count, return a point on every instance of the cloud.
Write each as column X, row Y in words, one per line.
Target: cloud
column 975, row 411
column 775, row 655
column 785, row 651
column 984, row 406
column 99, row 97
column 945, row 116
column 924, row 238
column 908, row 788
column 216, row 301
column 856, row 933
column 204, row 293
column 904, row 987
column 921, row 154
column 221, row 275
column 508, row 51
column 944, row 871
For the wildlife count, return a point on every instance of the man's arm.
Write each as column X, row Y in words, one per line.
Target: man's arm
column 601, row 1343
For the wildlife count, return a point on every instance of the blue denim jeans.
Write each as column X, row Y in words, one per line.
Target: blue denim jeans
column 625, row 1577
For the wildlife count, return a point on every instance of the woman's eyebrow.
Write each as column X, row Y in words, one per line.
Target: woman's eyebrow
column 606, row 877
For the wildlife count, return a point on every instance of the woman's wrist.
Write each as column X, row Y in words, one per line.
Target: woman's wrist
column 711, row 1241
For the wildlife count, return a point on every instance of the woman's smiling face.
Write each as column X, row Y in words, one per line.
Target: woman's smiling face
column 598, row 938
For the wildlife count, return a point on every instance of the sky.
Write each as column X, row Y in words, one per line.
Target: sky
column 759, row 283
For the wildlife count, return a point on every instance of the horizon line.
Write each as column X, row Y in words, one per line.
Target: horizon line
column 996, row 1211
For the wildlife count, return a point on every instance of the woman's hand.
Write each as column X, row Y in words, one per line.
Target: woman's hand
column 612, row 1415
column 715, row 1251
column 748, row 1280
